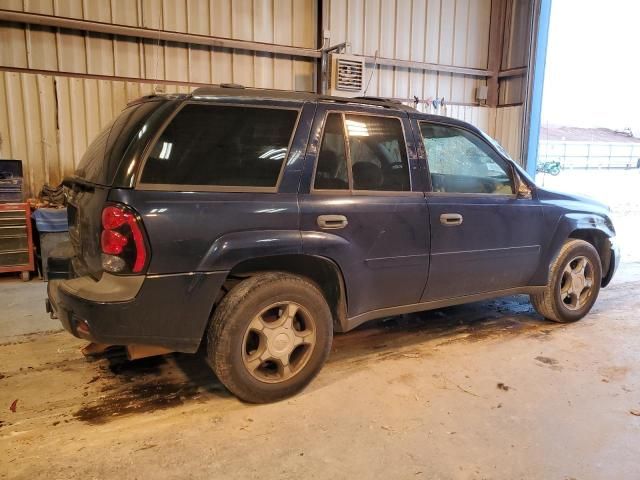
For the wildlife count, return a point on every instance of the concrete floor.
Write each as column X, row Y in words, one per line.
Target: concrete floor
column 482, row 391
column 487, row 390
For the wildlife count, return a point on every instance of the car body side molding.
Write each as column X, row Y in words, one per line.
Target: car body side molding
column 358, row 320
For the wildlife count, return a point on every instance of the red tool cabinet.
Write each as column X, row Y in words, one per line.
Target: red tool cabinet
column 16, row 242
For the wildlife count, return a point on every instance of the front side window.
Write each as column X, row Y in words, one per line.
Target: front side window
column 460, row 162
column 376, row 156
column 215, row 145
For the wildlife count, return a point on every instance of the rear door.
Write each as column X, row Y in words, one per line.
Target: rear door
column 362, row 205
column 483, row 237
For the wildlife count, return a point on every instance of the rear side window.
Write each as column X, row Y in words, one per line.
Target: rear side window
column 378, row 153
column 214, row 145
column 101, row 160
column 376, row 158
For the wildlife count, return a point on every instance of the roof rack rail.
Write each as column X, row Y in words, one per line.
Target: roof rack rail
column 207, row 89
column 378, row 99
column 231, row 85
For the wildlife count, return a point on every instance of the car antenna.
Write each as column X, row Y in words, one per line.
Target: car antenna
column 375, row 61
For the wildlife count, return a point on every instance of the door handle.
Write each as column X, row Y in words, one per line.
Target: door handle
column 451, row 219
column 332, row 222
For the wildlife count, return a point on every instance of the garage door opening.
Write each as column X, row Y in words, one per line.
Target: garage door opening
column 590, row 133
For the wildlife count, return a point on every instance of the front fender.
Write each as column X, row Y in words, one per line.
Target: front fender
column 566, row 225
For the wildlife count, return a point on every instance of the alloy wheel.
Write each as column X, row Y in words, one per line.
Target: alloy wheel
column 577, row 283
column 278, row 342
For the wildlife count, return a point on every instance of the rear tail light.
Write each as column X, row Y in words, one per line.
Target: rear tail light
column 122, row 240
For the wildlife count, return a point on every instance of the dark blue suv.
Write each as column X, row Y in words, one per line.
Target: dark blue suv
column 262, row 222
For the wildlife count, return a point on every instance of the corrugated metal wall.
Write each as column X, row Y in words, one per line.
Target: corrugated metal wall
column 449, row 32
column 515, row 52
column 515, row 55
column 285, row 22
column 508, row 129
column 503, row 123
column 446, row 32
column 48, row 121
column 481, row 117
column 50, row 108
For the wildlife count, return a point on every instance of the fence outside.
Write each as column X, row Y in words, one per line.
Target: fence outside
column 576, row 154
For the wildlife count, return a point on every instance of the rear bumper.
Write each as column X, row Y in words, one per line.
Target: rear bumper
column 171, row 311
column 613, row 263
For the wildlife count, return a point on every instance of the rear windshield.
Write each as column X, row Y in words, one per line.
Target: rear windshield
column 216, row 145
column 100, row 162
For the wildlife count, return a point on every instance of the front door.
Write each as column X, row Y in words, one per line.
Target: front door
column 362, row 205
column 483, row 237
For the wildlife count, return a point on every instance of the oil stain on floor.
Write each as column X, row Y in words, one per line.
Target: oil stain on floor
column 132, row 387
column 118, row 387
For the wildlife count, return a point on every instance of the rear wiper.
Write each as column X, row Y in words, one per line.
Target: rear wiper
column 78, row 183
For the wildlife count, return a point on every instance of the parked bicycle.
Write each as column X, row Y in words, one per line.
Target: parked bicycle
column 552, row 168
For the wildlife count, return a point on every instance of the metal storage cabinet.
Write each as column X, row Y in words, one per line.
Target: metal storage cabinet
column 10, row 181
column 16, row 245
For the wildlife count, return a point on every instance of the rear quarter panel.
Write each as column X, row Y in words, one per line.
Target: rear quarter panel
column 198, row 231
column 204, row 231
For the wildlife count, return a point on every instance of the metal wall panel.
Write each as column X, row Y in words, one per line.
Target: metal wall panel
column 481, row 117
column 515, row 52
column 446, row 32
column 225, row 18
column 517, row 32
column 42, row 48
column 508, row 130
column 48, row 121
column 503, row 123
column 63, row 117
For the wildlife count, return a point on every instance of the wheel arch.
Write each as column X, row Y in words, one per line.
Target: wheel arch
column 322, row 271
column 590, row 227
column 600, row 241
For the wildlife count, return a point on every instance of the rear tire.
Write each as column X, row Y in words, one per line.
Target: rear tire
column 574, row 283
column 269, row 337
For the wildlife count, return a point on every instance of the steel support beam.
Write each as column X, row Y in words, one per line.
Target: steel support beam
column 115, row 78
column 194, row 39
column 155, row 35
column 433, row 67
column 496, row 42
column 513, row 72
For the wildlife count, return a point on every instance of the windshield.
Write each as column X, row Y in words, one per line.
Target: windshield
column 497, row 145
column 101, row 160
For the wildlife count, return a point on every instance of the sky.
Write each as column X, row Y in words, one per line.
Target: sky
column 592, row 74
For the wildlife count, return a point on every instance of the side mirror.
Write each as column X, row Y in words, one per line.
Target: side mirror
column 522, row 189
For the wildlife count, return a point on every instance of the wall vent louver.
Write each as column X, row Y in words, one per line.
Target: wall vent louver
column 347, row 75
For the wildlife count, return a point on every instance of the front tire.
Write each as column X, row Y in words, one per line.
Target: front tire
column 574, row 283
column 270, row 336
